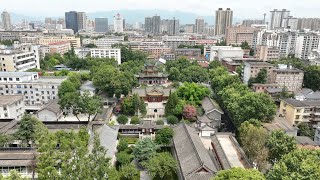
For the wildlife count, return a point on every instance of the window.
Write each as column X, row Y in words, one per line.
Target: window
column 298, row 110
column 297, row 116
column 17, row 79
column 10, row 79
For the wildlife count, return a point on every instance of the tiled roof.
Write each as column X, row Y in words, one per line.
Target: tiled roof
column 194, row 160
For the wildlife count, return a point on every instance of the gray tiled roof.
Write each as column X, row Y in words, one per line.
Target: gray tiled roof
column 108, row 138
column 9, row 99
column 192, row 156
column 52, row 106
column 305, row 103
column 209, row 104
column 304, row 140
column 16, row 158
column 143, row 91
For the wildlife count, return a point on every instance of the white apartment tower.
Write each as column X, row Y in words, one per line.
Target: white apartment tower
column 305, row 44
column 223, row 20
column 6, row 21
column 82, row 21
column 118, row 23
column 199, row 26
column 276, row 18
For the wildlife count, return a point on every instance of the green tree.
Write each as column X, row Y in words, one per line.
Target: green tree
column 192, row 93
column 312, row 77
column 164, row 136
column 135, row 120
column 253, row 140
column 30, row 130
column 171, row 103
column 280, row 144
column 144, row 150
column 195, row 74
column 298, row 164
column 13, row 175
column 129, row 172
column 245, row 45
column 66, row 87
column 122, row 119
column 172, row 119
column 214, row 64
column 161, row 166
column 174, row 74
column 123, row 145
column 306, row 129
column 123, row 158
column 239, row 173
column 160, row 122
column 90, row 46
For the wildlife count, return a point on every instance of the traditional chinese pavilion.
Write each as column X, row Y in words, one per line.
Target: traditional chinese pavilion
column 150, row 75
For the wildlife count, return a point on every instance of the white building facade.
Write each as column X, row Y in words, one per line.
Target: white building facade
column 107, row 53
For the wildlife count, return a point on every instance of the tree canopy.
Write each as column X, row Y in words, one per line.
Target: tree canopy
column 164, row 136
column 239, row 173
column 162, row 166
column 144, row 150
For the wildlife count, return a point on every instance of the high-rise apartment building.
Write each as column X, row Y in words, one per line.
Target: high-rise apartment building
column 249, row 22
column 276, row 18
column 199, row 25
column 118, row 23
column 290, row 23
column 71, row 19
column 6, row 20
column 82, row 21
column 223, row 20
column 156, row 23
column 189, row 28
column 148, row 24
column 173, row 27
column 101, row 25
column 306, row 42
column 309, row 23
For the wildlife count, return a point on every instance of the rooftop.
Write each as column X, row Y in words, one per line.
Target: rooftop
column 17, row 74
column 59, row 43
column 305, row 103
column 6, row 100
column 52, row 106
column 256, row 64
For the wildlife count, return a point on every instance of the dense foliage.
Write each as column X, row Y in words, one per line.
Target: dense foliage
column 133, row 105
column 122, row 119
column 240, row 102
column 312, row 77
column 164, row 136
column 239, row 173
column 299, row 164
column 162, row 166
column 144, row 150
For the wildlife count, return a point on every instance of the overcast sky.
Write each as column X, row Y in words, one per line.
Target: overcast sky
column 241, row 8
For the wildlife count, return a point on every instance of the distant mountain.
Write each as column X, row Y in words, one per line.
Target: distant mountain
column 132, row 16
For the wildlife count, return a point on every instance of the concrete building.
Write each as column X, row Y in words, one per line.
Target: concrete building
column 265, row 53
column 106, row 53
column 189, row 28
column 156, row 23
column 250, row 22
column 306, row 42
column 101, row 25
column 156, row 52
column 290, row 23
column 11, row 107
column 106, row 42
column 74, row 41
column 150, row 75
column 221, row 52
column 148, row 24
column 309, row 23
column 199, row 25
column 297, row 111
column 118, row 23
column 22, row 58
column 173, row 27
column 314, row 57
column 59, row 47
column 71, row 19
column 251, row 70
column 239, row 34
column 291, row 79
column 36, row 91
column 223, row 20
column 174, row 41
column 82, row 21
column 276, row 18
column 6, row 21
column 193, row 52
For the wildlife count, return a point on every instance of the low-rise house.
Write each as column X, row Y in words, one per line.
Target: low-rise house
column 280, row 123
column 193, row 158
column 305, row 142
column 210, row 121
column 252, row 69
column 11, row 107
column 290, row 78
column 23, row 160
column 50, row 112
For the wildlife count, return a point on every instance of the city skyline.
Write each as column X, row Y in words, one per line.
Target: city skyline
column 251, row 9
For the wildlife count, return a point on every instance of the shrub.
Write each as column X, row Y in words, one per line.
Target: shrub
column 122, row 119
column 172, row 119
column 135, row 120
column 160, row 122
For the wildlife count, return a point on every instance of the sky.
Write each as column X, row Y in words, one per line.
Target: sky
column 241, row 8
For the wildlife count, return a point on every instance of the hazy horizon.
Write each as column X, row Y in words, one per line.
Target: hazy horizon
column 245, row 9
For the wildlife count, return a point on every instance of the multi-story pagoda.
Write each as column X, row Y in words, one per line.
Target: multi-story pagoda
column 150, row 75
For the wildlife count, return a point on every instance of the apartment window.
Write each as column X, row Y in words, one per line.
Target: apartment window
column 17, row 79
column 4, row 65
column 48, row 92
column 5, row 115
column 298, row 110
column 4, row 79
column 297, row 116
column 52, row 87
